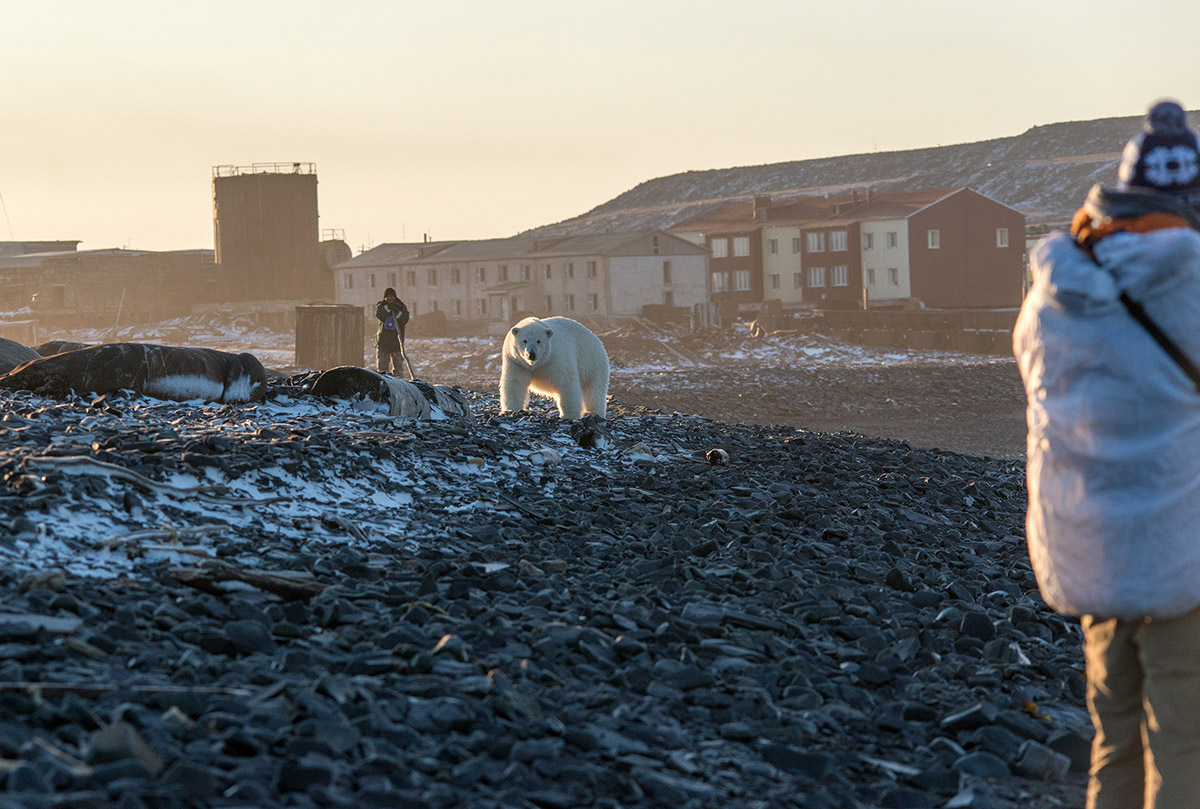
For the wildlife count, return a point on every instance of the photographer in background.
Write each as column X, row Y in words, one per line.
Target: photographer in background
column 389, row 337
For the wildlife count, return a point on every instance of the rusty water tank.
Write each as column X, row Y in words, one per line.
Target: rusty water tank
column 329, row 335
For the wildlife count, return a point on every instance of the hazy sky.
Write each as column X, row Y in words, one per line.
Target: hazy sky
column 471, row 119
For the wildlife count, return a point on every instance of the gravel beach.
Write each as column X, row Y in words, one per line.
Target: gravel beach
column 303, row 602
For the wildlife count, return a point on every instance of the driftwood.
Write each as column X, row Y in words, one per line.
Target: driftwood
column 91, row 465
column 172, row 534
column 210, row 576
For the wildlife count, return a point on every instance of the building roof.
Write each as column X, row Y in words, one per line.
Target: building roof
column 38, row 259
column 391, row 254
column 515, row 248
column 833, row 210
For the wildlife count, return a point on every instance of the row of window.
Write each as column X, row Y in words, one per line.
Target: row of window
column 815, row 242
column 741, row 281
column 481, row 305
column 720, row 247
column 816, row 278
column 348, row 280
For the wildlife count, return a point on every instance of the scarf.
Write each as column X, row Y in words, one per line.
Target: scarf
column 1139, row 210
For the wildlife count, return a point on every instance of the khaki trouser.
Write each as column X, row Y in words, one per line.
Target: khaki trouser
column 1144, row 696
column 390, row 362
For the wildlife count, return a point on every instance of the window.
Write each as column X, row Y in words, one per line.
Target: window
column 668, row 298
column 526, row 272
column 741, row 280
column 545, row 270
column 741, row 246
column 348, row 281
column 775, row 281
column 456, row 276
column 816, row 276
column 666, row 272
column 481, row 274
column 654, row 245
column 841, row 276
column 720, row 248
column 837, row 240
column 797, row 280
column 773, row 246
column 391, row 279
column 412, row 308
column 814, row 242
column 481, row 305
column 571, row 303
column 868, row 241
column 457, row 308
column 410, row 278
column 720, row 281
column 433, row 307
column 591, row 269
column 549, row 303
column 1002, row 237
column 796, row 244
column 594, row 301
column 893, row 276
column 870, row 276
column 371, row 280
column 570, row 269
column 891, row 238
column 431, row 279
column 935, row 239
column 503, row 272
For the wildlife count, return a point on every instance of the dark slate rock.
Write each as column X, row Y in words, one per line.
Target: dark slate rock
column 815, row 766
column 1072, row 745
column 983, row 764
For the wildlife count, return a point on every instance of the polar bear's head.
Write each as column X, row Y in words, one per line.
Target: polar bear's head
column 532, row 342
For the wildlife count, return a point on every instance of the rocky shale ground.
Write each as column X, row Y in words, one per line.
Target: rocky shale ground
column 298, row 604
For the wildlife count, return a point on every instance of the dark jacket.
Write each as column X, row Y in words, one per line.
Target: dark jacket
column 386, row 338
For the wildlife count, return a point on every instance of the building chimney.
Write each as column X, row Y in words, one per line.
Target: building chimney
column 762, row 203
column 868, row 193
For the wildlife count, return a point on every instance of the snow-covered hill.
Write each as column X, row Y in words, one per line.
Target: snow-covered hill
column 1043, row 173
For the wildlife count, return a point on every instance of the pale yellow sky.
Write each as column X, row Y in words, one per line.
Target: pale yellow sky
column 472, row 119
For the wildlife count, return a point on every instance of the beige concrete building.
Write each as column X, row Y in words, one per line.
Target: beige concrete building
column 486, row 285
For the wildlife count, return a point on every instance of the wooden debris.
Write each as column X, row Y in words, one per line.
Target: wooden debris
column 210, row 576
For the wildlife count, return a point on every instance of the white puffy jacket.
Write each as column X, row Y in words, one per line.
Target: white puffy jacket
column 1114, row 425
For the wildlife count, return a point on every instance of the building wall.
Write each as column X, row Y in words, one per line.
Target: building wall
column 967, row 269
column 639, row 280
column 728, row 267
column 829, row 259
column 365, row 288
column 786, row 264
column 882, row 258
column 119, row 286
column 266, row 230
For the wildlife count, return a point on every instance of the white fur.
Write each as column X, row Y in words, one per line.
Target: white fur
column 181, row 387
column 556, row 357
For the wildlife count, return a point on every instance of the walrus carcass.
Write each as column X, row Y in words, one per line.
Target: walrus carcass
column 164, row 372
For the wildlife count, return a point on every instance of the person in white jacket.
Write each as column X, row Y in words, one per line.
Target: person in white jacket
column 1107, row 344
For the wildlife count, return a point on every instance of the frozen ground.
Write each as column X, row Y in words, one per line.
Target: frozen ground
column 961, row 402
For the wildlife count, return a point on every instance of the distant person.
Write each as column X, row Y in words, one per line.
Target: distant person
column 1106, row 343
column 389, row 337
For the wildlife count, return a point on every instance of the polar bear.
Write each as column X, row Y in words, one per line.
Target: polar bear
column 556, row 357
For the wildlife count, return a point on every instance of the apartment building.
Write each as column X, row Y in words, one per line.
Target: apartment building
column 493, row 282
column 947, row 248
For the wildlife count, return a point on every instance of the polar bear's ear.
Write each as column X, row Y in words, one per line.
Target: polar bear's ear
column 548, row 333
column 515, row 329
